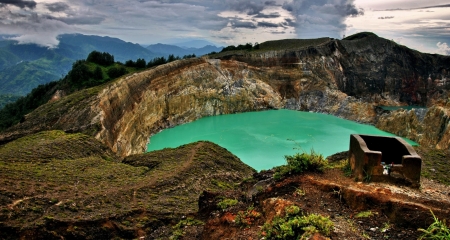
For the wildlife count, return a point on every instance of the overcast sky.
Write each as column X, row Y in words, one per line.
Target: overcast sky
column 419, row 24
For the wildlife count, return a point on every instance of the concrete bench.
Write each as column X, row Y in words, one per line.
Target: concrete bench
column 367, row 153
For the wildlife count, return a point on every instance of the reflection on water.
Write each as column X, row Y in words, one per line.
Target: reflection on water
column 261, row 139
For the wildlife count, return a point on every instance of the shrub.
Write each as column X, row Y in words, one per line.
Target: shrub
column 301, row 162
column 437, row 230
column 294, row 225
column 115, row 72
column 226, row 203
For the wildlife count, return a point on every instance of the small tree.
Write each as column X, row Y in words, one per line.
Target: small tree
column 140, row 63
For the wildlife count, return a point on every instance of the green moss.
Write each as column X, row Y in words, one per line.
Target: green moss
column 364, row 214
column 226, row 203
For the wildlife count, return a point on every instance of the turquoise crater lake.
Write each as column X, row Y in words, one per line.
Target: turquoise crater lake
column 261, row 139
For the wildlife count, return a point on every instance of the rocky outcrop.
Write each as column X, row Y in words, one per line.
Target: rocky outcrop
column 430, row 130
column 366, row 67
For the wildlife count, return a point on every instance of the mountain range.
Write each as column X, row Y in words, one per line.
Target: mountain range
column 165, row 50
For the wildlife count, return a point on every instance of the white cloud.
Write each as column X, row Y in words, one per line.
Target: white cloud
column 444, row 49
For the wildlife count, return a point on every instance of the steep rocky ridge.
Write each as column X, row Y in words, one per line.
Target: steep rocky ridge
column 369, row 68
column 346, row 78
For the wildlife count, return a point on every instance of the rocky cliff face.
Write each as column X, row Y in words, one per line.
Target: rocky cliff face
column 346, row 78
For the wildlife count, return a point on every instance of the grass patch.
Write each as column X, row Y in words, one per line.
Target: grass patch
column 437, row 230
column 435, row 164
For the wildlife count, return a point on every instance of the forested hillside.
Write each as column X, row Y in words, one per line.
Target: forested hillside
column 25, row 66
column 96, row 69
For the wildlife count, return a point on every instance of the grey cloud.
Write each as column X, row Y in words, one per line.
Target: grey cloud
column 82, row 20
column 238, row 24
column 57, row 7
column 270, row 3
column 349, row 10
column 345, row 10
column 289, row 22
column 271, row 15
column 249, row 7
column 19, row 3
column 319, row 18
column 268, row 25
column 437, row 6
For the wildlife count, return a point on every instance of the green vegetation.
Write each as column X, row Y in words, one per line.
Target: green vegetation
column 274, row 45
column 222, row 185
column 364, row 214
column 247, row 47
column 437, row 230
column 295, row 225
column 247, row 218
column 7, row 98
column 13, row 113
column 178, row 230
column 435, row 164
column 226, row 203
column 347, row 169
column 102, row 59
column 301, row 162
column 360, row 35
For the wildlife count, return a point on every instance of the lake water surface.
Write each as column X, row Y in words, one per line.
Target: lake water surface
column 261, row 139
